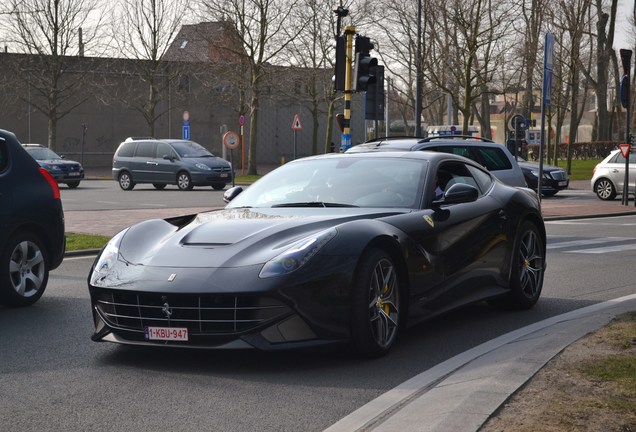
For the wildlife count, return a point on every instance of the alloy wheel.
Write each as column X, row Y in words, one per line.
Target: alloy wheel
column 27, row 269
column 530, row 264
column 384, row 305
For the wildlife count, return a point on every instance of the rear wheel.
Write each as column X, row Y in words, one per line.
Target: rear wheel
column 24, row 270
column 125, row 180
column 528, row 268
column 376, row 304
column 159, row 186
column 184, row 182
column 605, row 189
column 73, row 184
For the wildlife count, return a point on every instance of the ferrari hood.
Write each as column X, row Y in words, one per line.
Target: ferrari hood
column 232, row 237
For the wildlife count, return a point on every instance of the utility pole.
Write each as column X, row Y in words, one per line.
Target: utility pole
column 345, row 142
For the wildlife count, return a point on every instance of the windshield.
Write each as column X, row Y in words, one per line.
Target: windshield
column 42, row 153
column 190, row 149
column 339, row 182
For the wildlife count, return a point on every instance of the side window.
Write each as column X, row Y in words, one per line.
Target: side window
column 145, row 150
column 164, row 149
column 4, row 160
column 456, row 150
column 451, row 173
column 494, row 159
column 615, row 158
column 483, row 179
column 127, row 149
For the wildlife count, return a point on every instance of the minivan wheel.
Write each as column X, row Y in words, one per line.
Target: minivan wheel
column 24, row 270
column 184, row 182
column 125, row 181
column 605, row 189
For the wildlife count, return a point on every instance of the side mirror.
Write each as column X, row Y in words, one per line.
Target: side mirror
column 169, row 157
column 232, row 193
column 459, row 193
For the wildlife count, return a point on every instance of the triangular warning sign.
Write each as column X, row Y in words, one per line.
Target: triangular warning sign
column 296, row 125
column 625, row 148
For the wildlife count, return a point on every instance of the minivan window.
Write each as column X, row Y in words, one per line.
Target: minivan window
column 494, row 159
column 189, row 149
column 127, row 149
column 145, row 149
column 163, row 150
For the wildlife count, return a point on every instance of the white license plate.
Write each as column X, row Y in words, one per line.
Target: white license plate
column 167, row 333
column 563, row 183
column 74, row 174
column 224, row 175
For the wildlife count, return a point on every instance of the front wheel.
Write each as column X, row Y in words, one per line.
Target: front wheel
column 24, row 270
column 159, row 186
column 72, row 184
column 605, row 189
column 376, row 304
column 218, row 186
column 528, row 268
column 184, row 182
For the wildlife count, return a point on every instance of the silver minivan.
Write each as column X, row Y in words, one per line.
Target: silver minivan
column 161, row 162
column 494, row 157
column 609, row 176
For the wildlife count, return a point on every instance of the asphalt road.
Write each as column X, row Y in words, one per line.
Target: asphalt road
column 52, row 377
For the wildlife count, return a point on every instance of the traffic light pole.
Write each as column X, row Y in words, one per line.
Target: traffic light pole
column 345, row 143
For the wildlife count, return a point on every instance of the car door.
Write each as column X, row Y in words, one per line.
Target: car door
column 167, row 166
column 5, row 191
column 144, row 163
column 465, row 242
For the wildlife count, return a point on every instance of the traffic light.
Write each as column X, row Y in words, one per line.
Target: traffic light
column 341, row 64
column 374, row 98
column 363, row 75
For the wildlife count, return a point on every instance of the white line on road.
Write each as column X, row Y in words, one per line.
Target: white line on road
column 588, row 242
column 620, row 248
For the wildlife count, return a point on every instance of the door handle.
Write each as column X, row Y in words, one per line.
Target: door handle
column 151, row 163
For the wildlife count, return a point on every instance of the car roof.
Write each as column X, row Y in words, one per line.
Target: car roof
column 416, row 143
column 430, row 156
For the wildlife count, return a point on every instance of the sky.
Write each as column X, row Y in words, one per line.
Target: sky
column 622, row 36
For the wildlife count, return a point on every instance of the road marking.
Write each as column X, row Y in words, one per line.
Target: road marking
column 586, row 242
column 608, row 249
column 109, row 202
column 152, row 205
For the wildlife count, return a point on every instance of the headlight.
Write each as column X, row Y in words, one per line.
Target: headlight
column 297, row 254
column 109, row 255
column 203, row 167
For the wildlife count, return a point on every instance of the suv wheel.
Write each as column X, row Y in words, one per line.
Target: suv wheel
column 24, row 270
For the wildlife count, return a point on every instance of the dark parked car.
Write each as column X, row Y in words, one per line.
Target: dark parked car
column 62, row 170
column 495, row 157
column 163, row 162
column 333, row 249
column 555, row 179
column 32, row 240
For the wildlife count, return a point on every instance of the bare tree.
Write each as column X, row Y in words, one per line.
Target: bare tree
column 265, row 29
column 50, row 31
column 144, row 30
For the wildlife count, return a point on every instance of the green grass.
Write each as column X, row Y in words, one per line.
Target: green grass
column 581, row 169
column 75, row 242
column 246, row 178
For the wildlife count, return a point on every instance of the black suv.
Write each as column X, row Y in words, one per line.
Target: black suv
column 32, row 239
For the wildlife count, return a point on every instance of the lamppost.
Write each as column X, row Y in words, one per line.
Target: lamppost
column 418, row 73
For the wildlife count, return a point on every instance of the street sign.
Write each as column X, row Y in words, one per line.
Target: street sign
column 186, row 116
column 296, row 125
column 185, row 132
column 625, row 148
column 231, row 140
column 242, row 120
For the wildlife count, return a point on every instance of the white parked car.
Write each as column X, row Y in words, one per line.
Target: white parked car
column 609, row 176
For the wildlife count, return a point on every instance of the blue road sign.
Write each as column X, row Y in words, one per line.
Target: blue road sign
column 186, row 131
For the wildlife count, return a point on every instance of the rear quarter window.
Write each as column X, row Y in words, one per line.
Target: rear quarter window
column 127, row 149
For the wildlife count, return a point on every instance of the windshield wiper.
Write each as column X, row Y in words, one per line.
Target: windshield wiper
column 313, row 204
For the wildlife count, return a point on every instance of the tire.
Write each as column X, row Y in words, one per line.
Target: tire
column 184, row 181
column 218, row 186
column 73, row 184
column 125, row 181
column 159, row 186
column 527, row 270
column 605, row 189
column 376, row 305
column 549, row 194
column 24, row 270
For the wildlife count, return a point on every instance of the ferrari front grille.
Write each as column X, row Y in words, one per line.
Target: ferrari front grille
column 201, row 314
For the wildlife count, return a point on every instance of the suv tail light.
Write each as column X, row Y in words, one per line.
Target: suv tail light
column 49, row 178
